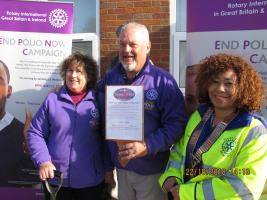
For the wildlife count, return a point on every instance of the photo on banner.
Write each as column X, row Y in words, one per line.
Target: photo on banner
column 34, row 39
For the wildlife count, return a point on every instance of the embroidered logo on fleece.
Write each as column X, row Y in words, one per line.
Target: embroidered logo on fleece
column 94, row 113
column 228, row 145
column 152, row 94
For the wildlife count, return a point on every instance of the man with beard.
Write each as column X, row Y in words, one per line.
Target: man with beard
column 164, row 116
column 13, row 158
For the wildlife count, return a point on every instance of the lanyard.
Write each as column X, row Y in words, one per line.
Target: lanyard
column 196, row 157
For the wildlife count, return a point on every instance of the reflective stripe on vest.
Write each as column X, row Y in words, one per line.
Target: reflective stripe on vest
column 239, row 186
column 208, row 190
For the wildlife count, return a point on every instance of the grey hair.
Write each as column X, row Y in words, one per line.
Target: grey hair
column 139, row 26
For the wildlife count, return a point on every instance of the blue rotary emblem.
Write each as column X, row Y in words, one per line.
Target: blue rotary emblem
column 94, row 113
column 152, row 94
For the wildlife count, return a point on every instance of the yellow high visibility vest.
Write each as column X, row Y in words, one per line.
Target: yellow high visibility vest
column 235, row 167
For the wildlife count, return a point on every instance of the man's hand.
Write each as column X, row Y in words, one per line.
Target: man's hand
column 132, row 150
column 169, row 183
column 46, row 170
column 175, row 192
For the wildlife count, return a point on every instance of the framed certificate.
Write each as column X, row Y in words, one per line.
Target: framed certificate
column 125, row 113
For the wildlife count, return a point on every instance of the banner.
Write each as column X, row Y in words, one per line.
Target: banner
column 34, row 39
column 228, row 26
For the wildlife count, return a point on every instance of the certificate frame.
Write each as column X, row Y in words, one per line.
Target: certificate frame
column 124, row 112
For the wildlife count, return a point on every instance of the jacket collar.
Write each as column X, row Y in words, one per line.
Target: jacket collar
column 243, row 118
column 63, row 93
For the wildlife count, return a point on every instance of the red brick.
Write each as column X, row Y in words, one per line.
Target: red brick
column 158, row 28
column 164, row 58
column 108, row 17
column 151, row 9
column 107, row 5
column 116, row 11
column 152, row 21
column 109, row 41
column 152, row 13
column 142, row 4
column 160, row 16
column 156, row 3
column 125, row 4
column 160, row 51
column 137, row 10
column 103, row 12
column 164, row 9
column 142, row 16
column 165, row 46
column 165, row 3
column 107, row 34
column 155, row 46
column 125, row 16
column 116, row 1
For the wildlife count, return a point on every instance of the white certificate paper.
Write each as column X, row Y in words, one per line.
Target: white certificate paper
column 125, row 113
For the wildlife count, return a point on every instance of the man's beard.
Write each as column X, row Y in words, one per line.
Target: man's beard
column 130, row 67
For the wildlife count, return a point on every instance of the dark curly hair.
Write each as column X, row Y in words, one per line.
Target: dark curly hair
column 90, row 67
column 250, row 87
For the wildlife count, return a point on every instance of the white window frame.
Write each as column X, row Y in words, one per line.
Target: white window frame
column 89, row 37
column 178, row 37
column 175, row 38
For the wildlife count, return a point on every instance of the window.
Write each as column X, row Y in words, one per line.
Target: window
column 86, row 43
column 180, row 15
column 179, row 63
column 178, row 41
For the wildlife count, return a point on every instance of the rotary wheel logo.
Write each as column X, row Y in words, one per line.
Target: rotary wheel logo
column 228, row 145
column 58, row 18
column 152, row 94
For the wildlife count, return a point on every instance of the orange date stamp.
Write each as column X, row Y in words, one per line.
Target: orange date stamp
column 208, row 171
column 217, row 171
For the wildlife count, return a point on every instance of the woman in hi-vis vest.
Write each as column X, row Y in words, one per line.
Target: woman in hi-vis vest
column 223, row 153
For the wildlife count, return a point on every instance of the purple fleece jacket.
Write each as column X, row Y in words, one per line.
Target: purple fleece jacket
column 164, row 115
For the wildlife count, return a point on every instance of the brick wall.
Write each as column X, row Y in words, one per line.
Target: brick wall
column 152, row 13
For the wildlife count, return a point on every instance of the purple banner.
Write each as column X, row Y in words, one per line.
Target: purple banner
column 21, row 194
column 226, row 15
column 42, row 17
